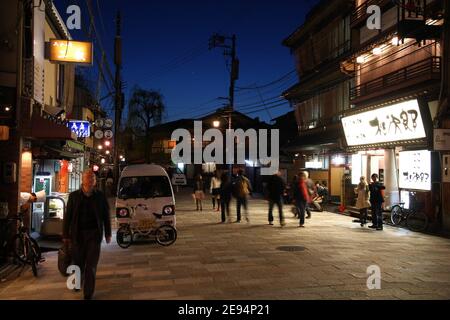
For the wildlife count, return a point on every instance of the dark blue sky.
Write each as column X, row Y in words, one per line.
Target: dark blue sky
column 165, row 47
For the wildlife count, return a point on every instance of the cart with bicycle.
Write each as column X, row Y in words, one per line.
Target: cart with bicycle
column 140, row 222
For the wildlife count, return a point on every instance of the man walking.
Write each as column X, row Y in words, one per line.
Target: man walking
column 376, row 200
column 275, row 190
column 301, row 197
column 87, row 218
column 242, row 188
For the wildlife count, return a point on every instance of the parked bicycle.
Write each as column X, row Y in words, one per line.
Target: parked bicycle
column 25, row 248
column 415, row 218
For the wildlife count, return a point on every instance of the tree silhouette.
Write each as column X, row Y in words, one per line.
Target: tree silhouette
column 145, row 110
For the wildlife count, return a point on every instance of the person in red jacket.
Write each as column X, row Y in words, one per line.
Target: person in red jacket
column 301, row 197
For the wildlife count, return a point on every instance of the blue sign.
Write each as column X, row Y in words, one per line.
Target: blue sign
column 81, row 128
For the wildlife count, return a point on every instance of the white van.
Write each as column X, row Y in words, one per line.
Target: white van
column 145, row 194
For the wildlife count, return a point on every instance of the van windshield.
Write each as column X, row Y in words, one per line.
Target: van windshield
column 144, row 187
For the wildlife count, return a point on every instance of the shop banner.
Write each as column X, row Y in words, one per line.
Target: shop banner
column 442, row 139
column 397, row 122
column 415, row 170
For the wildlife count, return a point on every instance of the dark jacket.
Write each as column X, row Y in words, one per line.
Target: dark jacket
column 199, row 185
column 275, row 188
column 226, row 190
column 376, row 194
column 71, row 217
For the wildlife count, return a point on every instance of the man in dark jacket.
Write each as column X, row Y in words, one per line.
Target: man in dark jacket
column 376, row 200
column 275, row 189
column 87, row 218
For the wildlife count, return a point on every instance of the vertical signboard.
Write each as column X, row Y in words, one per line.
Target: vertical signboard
column 415, row 170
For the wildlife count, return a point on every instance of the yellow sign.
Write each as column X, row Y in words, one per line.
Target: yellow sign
column 70, row 51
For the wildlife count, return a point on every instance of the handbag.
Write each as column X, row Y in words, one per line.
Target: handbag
column 64, row 259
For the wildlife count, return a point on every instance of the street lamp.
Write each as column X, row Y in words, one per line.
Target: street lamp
column 99, row 147
column 216, row 123
column 107, row 143
column 107, row 152
column 103, row 161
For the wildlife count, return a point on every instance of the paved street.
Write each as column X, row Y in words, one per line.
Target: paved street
column 241, row 261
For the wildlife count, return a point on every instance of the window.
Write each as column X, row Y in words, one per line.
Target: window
column 144, row 187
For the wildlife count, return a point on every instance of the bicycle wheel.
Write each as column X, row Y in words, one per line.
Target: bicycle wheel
column 417, row 221
column 32, row 260
column 166, row 235
column 36, row 249
column 124, row 237
column 396, row 215
column 20, row 248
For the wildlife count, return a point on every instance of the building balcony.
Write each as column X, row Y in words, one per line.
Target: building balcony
column 420, row 72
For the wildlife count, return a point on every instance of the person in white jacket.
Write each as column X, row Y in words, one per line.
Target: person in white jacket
column 214, row 189
column 362, row 202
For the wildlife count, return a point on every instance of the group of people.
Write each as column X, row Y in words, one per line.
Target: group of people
column 302, row 192
column 370, row 196
column 222, row 190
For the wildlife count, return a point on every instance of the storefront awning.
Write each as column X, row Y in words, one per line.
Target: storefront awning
column 55, row 153
column 50, row 130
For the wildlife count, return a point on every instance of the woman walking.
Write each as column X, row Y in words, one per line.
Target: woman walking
column 199, row 192
column 225, row 191
column 362, row 202
column 215, row 190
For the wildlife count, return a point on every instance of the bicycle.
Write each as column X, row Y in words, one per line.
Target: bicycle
column 164, row 234
column 415, row 219
column 26, row 249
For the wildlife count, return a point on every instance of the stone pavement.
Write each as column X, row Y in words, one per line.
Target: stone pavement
column 241, row 261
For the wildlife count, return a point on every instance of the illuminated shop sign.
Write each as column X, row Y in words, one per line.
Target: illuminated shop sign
column 81, row 128
column 313, row 165
column 397, row 122
column 415, row 170
column 69, row 51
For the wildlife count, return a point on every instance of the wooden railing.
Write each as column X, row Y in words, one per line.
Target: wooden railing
column 422, row 69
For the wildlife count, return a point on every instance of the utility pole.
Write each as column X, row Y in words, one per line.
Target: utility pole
column 230, row 50
column 118, row 96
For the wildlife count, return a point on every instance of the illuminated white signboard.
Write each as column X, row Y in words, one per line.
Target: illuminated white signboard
column 356, row 168
column 415, row 170
column 397, row 122
column 313, row 165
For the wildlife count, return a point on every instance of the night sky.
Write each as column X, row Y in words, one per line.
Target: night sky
column 165, row 47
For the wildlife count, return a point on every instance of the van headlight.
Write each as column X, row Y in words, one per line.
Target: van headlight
column 168, row 210
column 122, row 213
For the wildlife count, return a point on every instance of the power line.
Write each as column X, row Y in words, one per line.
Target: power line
column 101, row 17
column 272, row 107
column 285, row 84
column 169, row 67
column 268, row 84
